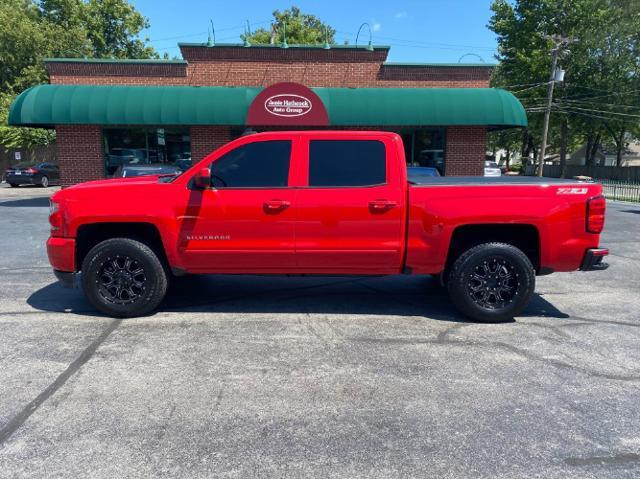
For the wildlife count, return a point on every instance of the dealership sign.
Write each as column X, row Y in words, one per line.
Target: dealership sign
column 290, row 104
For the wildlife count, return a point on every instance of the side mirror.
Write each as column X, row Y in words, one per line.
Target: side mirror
column 202, row 179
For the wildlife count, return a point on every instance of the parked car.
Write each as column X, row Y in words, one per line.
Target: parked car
column 421, row 174
column 323, row 203
column 183, row 163
column 491, row 168
column 43, row 174
column 128, row 171
column 125, row 156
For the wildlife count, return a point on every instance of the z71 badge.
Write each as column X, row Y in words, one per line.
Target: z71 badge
column 572, row 191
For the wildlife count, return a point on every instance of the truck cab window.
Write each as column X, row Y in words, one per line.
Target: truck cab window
column 347, row 163
column 261, row 164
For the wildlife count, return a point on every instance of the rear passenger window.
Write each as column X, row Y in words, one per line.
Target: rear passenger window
column 262, row 164
column 347, row 163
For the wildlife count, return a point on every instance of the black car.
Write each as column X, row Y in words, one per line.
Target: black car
column 44, row 174
column 128, row 171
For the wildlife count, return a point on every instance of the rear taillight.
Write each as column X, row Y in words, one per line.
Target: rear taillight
column 31, row 171
column 595, row 214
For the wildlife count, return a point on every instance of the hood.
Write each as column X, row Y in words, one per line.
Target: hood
column 103, row 186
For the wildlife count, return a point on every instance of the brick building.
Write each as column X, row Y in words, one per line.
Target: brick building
column 110, row 112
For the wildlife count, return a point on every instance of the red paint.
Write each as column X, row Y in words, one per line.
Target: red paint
column 382, row 229
column 289, row 104
column 61, row 253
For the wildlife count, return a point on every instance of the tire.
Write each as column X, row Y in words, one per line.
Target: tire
column 44, row 181
column 113, row 283
column 13, row 185
column 491, row 282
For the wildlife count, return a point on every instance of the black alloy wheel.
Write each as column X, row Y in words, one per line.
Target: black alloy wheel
column 124, row 278
column 121, row 280
column 491, row 282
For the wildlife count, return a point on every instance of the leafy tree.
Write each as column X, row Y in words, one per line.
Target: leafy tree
column 602, row 64
column 34, row 30
column 113, row 27
column 301, row 29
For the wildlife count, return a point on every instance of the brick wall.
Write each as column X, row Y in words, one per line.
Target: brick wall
column 258, row 66
column 466, row 149
column 205, row 139
column 79, row 153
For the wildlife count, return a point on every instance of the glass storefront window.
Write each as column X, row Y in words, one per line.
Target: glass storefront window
column 428, row 148
column 146, row 146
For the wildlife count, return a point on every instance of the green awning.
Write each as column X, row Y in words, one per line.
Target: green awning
column 48, row 105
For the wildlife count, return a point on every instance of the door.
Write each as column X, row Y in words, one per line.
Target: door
column 244, row 223
column 55, row 173
column 351, row 213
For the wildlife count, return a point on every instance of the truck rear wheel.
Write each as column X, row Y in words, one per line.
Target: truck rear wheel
column 123, row 278
column 491, row 282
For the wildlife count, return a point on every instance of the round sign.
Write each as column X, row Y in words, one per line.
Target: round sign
column 288, row 105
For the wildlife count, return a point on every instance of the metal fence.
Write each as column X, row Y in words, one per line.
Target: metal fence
column 624, row 173
column 621, row 190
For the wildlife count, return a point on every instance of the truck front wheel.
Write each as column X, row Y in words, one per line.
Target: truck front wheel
column 491, row 282
column 123, row 278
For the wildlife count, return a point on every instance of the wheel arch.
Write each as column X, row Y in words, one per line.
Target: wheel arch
column 525, row 237
column 91, row 234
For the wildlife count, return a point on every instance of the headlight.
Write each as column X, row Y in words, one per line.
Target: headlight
column 55, row 218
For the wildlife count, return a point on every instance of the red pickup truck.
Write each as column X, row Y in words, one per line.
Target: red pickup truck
column 323, row 203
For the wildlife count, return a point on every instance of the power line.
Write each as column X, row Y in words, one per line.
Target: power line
column 599, row 104
column 602, row 111
column 421, row 44
column 531, row 87
column 226, row 29
column 571, row 112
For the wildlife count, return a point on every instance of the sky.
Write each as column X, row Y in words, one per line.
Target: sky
column 417, row 30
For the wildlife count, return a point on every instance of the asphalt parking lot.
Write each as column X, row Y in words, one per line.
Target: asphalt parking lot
column 316, row 377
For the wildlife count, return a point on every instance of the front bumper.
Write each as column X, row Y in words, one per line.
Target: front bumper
column 593, row 259
column 62, row 253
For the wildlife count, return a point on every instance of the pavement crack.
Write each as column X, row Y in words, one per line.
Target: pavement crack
column 624, row 458
column 19, row 419
column 444, row 335
column 584, row 320
column 558, row 363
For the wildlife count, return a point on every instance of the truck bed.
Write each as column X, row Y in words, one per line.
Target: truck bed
column 487, row 180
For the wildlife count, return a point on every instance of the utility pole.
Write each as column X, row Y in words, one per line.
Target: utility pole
column 560, row 42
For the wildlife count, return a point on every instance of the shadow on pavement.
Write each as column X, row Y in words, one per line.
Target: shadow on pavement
column 637, row 212
column 40, row 202
column 388, row 296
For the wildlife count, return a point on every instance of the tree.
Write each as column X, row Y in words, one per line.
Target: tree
column 597, row 99
column 507, row 140
column 113, row 27
column 301, row 29
column 59, row 28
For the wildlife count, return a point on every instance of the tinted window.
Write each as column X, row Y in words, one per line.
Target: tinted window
column 347, row 163
column 260, row 164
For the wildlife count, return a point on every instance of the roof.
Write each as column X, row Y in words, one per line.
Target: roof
column 116, row 60
column 440, row 65
column 48, row 105
column 279, row 45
